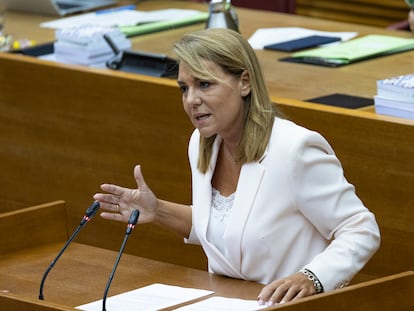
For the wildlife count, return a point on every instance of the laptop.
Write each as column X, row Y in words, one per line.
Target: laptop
column 56, row 7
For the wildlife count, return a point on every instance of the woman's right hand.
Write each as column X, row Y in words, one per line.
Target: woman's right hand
column 118, row 202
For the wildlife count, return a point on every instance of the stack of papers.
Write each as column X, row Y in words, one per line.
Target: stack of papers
column 85, row 45
column 395, row 96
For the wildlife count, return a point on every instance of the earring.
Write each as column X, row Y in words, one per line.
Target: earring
column 245, row 93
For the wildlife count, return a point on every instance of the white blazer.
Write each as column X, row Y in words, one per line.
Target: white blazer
column 293, row 209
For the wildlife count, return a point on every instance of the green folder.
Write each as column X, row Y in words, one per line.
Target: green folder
column 354, row 50
column 137, row 30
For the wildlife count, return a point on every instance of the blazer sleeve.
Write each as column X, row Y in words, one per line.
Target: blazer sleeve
column 330, row 203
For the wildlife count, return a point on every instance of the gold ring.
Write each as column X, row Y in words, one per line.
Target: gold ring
column 117, row 208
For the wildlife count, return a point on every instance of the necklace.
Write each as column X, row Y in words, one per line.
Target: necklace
column 229, row 155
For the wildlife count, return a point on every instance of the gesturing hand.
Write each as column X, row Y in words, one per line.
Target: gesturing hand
column 287, row 289
column 118, row 202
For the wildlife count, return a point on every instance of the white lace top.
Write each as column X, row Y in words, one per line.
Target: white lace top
column 219, row 213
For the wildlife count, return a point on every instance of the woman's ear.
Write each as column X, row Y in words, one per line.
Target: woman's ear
column 245, row 84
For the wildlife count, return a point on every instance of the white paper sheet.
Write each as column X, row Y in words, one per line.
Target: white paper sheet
column 265, row 36
column 149, row 298
column 223, row 304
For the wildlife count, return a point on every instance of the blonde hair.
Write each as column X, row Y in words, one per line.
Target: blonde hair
column 229, row 50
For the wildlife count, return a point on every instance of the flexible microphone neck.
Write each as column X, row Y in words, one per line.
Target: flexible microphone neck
column 131, row 225
column 90, row 212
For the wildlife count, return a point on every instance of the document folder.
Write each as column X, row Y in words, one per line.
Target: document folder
column 352, row 51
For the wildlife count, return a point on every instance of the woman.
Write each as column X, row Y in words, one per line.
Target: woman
column 270, row 201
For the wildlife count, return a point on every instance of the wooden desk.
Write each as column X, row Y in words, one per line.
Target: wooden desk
column 32, row 237
column 82, row 272
column 286, row 80
column 67, row 129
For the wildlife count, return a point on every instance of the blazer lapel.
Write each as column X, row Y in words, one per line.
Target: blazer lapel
column 204, row 204
column 216, row 261
column 251, row 176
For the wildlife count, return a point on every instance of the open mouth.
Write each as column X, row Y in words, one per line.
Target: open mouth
column 202, row 117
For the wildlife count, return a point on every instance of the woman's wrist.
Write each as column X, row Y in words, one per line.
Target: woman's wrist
column 312, row 277
column 158, row 215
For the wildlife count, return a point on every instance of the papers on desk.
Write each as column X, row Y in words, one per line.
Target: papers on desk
column 355, row 50
column 266, row 36
column 148, row 298
column 346, row 51
column 395, row 96
column 160, row 296
column 85, row 45
column 126, row 22
column 121, row 18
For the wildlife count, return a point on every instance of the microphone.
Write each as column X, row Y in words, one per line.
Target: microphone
column 90, row 212
column 132, row 221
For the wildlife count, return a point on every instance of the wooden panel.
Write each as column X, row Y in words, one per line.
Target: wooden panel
column 17, row 303
column 378, row 13
column 74, row 128
column 286, row 6
column 33, row 226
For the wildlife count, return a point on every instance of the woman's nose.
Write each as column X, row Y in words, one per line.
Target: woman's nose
column 193, row 97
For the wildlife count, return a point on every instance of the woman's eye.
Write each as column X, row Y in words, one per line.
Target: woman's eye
column 183, row 88
column 204, row 84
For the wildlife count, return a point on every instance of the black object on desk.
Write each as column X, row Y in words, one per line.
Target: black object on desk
column 343, row 100
column 301, row 43
column 151, row 64
column 157, row 65
column 37, row 50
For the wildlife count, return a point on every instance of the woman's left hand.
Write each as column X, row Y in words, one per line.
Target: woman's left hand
column 287, row 289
